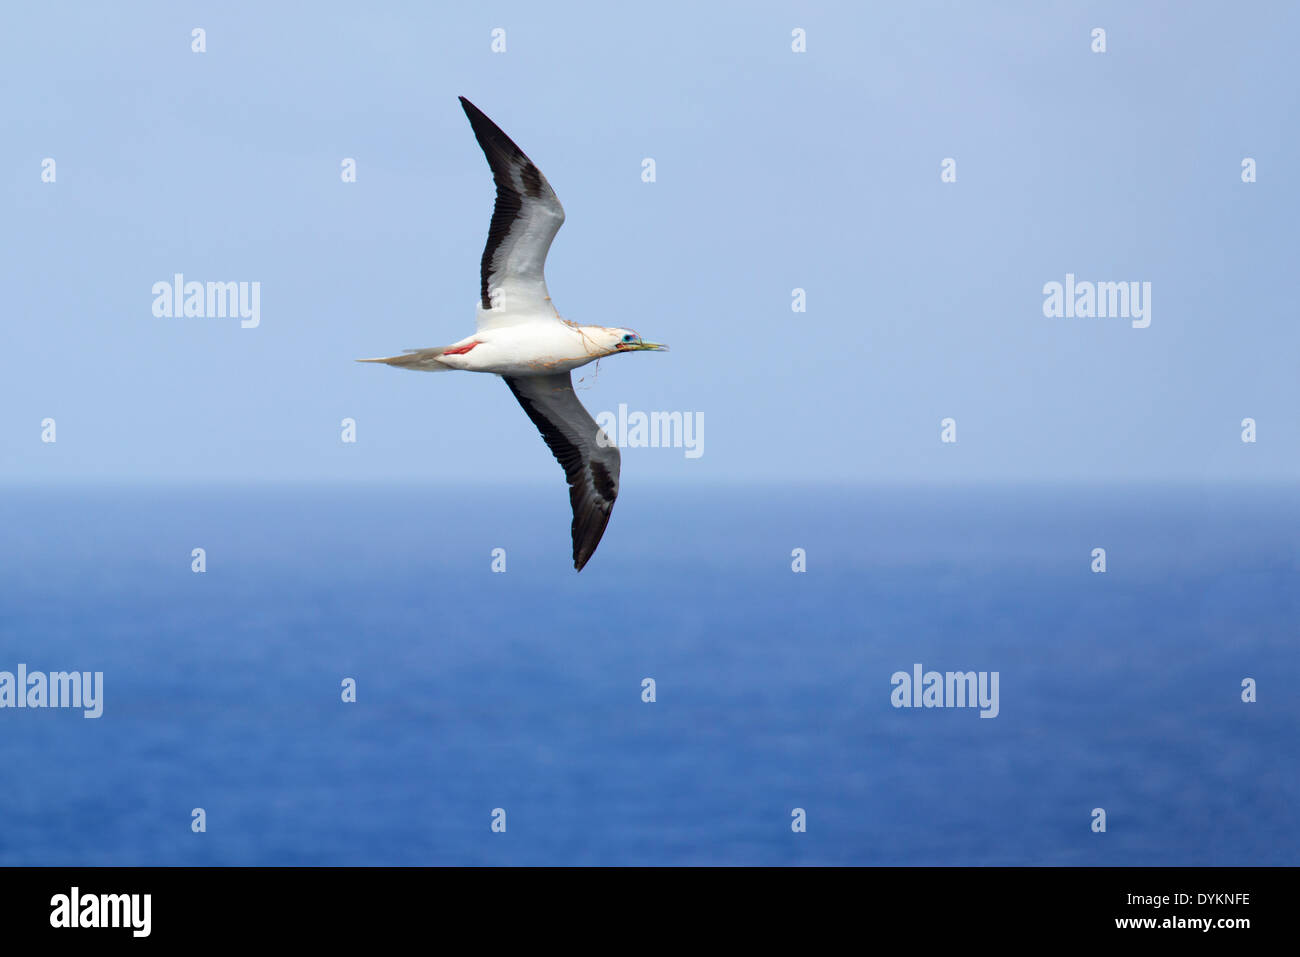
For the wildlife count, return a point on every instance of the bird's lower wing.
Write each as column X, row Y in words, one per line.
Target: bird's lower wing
column 589, row 459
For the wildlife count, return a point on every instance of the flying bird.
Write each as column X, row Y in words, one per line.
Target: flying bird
column 520, row 336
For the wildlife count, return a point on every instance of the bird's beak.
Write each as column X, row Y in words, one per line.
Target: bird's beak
column 640, row 345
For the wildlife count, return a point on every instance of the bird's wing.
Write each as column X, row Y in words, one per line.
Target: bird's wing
column 589, row 459
column 525, row 219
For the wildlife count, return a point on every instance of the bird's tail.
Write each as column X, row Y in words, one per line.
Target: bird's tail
column 423, row 360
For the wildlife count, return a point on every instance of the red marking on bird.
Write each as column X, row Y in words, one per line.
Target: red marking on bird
column 460, row 350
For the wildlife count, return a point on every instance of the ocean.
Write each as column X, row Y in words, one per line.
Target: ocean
column 517, row 696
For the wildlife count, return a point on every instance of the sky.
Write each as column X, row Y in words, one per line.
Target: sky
column 775, row 170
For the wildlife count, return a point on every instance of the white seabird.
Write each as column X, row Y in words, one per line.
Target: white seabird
column 520, row 336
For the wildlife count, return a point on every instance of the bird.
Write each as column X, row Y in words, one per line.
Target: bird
column 520, row 336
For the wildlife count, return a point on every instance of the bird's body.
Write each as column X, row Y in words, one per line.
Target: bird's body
column 520, row 336
column 528, row 348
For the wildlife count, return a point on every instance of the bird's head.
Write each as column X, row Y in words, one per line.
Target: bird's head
column 626, row 340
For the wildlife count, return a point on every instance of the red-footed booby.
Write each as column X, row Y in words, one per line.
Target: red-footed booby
column 520, row 336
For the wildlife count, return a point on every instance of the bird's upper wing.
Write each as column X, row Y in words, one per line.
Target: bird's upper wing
column 590, row 460
column 525, row 219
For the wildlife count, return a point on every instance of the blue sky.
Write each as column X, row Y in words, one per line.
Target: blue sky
column 775, row 170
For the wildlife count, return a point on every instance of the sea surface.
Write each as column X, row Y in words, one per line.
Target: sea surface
column 523, row 690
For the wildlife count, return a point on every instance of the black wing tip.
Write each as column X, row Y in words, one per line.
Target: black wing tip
column 587, row 540
column 583, row 555
column 477, row 118
column 491, row 137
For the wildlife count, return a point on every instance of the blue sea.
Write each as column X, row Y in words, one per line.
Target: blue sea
column 478, row 690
